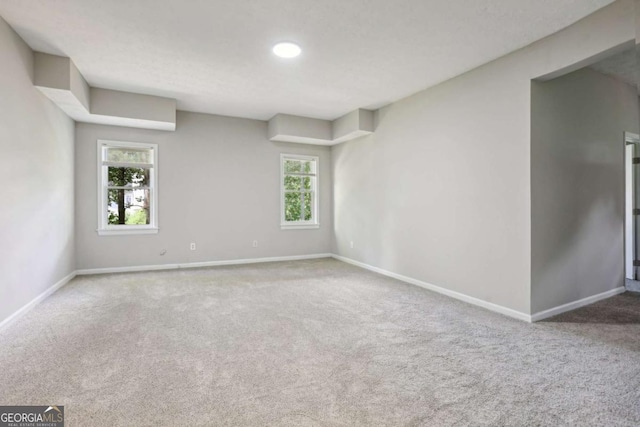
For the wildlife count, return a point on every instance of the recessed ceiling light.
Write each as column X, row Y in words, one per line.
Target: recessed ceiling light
column 287, row 50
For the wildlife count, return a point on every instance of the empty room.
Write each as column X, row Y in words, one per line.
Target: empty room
column 319, row 213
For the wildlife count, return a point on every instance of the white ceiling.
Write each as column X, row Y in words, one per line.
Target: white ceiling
column 214, row 56
column 622, row 66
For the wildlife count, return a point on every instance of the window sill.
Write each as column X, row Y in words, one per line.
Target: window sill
column 125, row 232
column 299, row 227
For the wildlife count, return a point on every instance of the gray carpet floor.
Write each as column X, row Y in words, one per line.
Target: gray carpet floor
column 314, row 343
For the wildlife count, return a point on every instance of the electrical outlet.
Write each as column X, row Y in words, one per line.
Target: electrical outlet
column 351, row 243
column 192, row 246
column 255, row 243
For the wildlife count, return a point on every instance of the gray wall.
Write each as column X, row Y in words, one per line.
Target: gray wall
column 36, row 171
column 441, row 191
column 577, row 185
column 218, row 187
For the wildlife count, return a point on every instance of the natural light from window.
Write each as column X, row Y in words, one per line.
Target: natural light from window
column 299, row 190
column 127, row 190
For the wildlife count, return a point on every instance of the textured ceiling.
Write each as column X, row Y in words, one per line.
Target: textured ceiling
column 623, row 66
column 214, row 56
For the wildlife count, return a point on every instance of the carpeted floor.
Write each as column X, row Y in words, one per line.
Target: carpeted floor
column 315, row 343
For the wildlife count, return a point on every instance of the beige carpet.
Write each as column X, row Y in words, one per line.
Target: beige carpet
column 313, row 343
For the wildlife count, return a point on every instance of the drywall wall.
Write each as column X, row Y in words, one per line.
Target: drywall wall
column 58, row 78
column 307, row 130
column 135, row 106
column 218, row 187
column 577, row 186
column 441, row 191
column 37, row 192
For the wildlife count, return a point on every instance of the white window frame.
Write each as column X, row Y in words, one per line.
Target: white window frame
column 106, row 229
column 315, row 213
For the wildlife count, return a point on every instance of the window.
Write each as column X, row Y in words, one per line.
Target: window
column 299, row 188
column 127, row 188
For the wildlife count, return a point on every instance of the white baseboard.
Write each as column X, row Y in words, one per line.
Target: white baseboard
column 576, row 304
column 453, row 294
column 197, row 264
column 21, row 312
column 484, row 304
column 37, row 300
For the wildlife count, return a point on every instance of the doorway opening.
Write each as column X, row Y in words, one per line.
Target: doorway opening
column 632, row 213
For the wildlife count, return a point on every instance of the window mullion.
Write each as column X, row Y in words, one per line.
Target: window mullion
column 116, row 187
column 301, row 190
column 127, row 165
